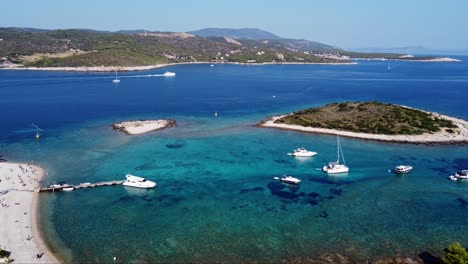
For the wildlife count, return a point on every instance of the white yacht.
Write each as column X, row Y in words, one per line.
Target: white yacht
column 401, row 169
column 169, row 74
column 139, row 182
column 116, row 80
column 459, row 175
column 68, row 189
column 302, row 152
column 336, row 167
column 289, row 179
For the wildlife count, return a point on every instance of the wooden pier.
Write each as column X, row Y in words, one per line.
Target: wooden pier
column 80, row 186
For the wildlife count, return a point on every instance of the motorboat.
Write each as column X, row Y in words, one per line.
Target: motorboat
column 459, row 175
column 336, row 167
column 138, row 182
column 68, row 189
column 302, row 152
column 453, row 178
column 401, row 169
column 169, row 74
column 289, row 179
column 463, row 174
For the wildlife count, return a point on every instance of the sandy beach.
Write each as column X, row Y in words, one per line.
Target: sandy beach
column 142, row 126
column 441, row 137
column 19, row 232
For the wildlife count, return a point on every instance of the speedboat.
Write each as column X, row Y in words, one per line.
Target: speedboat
column 453, row 178
column 463, row 174
column 169, row 74
column 138, row 182
column 289, row 179
column 336, row 167
column 401, row 169
column 302, row 152
column 459, row 175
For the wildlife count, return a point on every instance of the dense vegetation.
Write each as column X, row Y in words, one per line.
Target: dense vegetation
column 73, row 47
column 119, row 49
column 370, row 117
column 455, row 254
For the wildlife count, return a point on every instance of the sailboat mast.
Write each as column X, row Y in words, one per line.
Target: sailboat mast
column 337, row 148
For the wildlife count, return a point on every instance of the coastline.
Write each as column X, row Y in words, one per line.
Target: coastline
column 20, row 233
column 441, row 137
column 156, row 66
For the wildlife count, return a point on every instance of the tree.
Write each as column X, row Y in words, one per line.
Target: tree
column 455, row 254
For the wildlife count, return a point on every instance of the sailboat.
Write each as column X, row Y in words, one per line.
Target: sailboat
column 388, row 66
column 116, row 80
column 336, row 167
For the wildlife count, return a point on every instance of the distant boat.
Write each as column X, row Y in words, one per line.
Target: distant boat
column 169, row 74
column 336, row 167
column 68, row 189
column 302, row 152
column 212, row 65
column 401, row 169
column 116, row 80
column 388, row 66
column 289, row 179
column 216, row 114
column 138, row 182
column 459, row 175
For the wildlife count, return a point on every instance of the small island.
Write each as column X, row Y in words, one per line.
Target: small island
column 375, row 121
column 142, row 126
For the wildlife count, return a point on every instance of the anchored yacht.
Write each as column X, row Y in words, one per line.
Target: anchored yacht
column 336, row 167
column 401, row 169
column 138, row 182
column 289, row 179
column 302, row 152
column 459, row 175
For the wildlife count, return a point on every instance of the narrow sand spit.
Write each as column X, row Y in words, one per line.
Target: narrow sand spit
column 142, row 126
column 19, row 232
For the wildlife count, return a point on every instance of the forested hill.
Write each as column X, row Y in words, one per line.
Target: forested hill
column 83, row 47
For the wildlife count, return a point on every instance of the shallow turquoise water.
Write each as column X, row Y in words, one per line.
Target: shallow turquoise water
column 217, row 200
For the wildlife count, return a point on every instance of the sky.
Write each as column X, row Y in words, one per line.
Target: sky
column 434, row 24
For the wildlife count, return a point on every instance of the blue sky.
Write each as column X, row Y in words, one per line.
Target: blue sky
column 433, row 24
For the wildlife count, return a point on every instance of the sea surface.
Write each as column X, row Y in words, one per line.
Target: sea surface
column 216, row 199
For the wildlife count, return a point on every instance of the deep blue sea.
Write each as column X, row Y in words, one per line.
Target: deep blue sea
column 216, row 199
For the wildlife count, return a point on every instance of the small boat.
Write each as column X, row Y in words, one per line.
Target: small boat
column 459, row 175
column 302, row 152
column 289, row 179
column 212, row 65
column 453, row 178
column 116, row 80
column 85, row 184
column 138, row 182
column 169, row 74
column 68, row 189
column 401, row 169
column 336, row 167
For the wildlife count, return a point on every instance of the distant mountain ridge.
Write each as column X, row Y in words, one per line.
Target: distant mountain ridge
column 242, row 33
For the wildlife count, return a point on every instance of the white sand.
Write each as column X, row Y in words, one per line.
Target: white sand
column 441, row 137
column 19, row 232
column 142, row 126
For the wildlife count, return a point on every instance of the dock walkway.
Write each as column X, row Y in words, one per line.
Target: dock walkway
column 80, row 186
